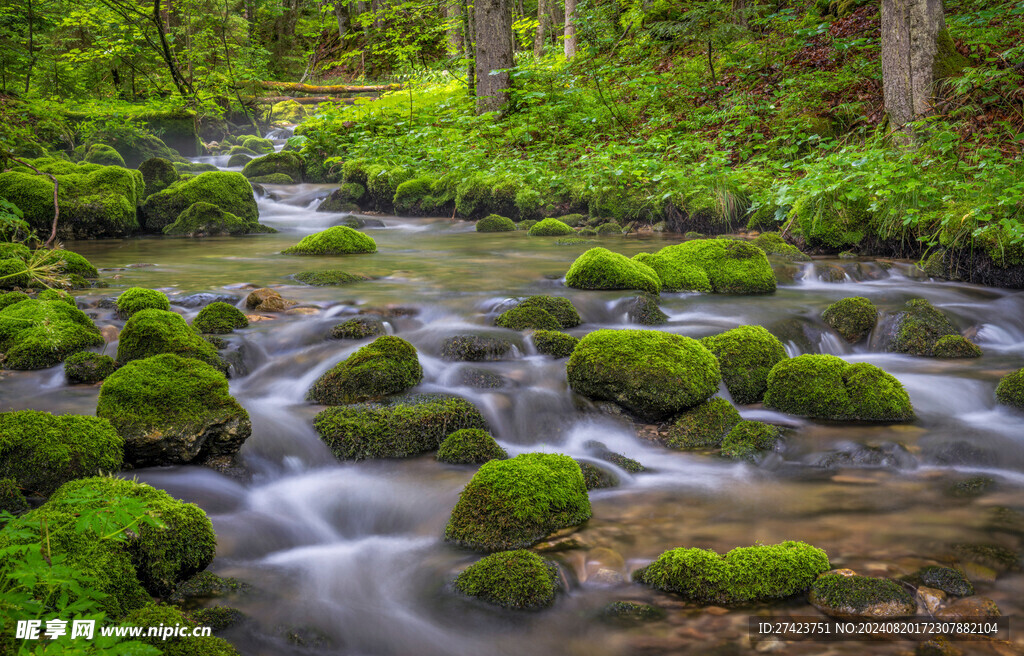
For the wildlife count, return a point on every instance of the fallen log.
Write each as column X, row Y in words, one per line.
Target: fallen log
column 302, row 100
column 329, row 89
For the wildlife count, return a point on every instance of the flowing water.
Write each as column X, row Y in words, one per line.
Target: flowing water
column 347, row 558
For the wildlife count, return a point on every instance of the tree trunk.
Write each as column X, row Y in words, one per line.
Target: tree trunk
column 739, row 10
column 544, row 25
column 328, row 89
column 468, row 50
column 570, row 29
column 493, row 20
column 910, row 33
column 31, row 46
column 344, row 19
column 454, row 16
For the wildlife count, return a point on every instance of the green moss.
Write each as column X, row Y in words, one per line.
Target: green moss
column 410, row 195
column 853, row 595
column 11, row 498
column 134, row 299
column 161, row 615
column 470, row 446
column 103, row 155
column 948, row 61
column 1010, row 390
column 358, row 328
column 14, row 273
column 732, row 266
column 207, row 585
column 749, row 438
column 272, row 178
column 87, row 367
column 514, row 503
column 514, row 579
column 554, row 343
column 597, row 478
column 772, row 243
column 919, row 327
column 152, row 332
column 229, row 191
column 10, row 298
column 39, row 334
column 599, row 268
column 14, row 250
column 475, row 348
column 610, row 228
column 406, row 428
column 746, row 355
column 573, row 220
column 675, row 275
column 68, row 263
column 644, row 310
column 256, row 144
column 242, row 150
column 703, row 426
column 43, row 451
column 339, row 240
column 331, row 277
column 853, row 318
column 948, row 580
column 239, row 159
column 217, row 617
column 526, row 225
column 601, row 452
column 388, row 365
column 171, row 409
column 495, row 223
column 208, row 220
column 526, row 318
column 955, row 346
column 827, row 387
column 653, row 374
column 744, row 575
column 219, row 318
column 193, row 168
column 826, row 222
column 550, row 228
column 343, row 199
column 288, row 111
column 56, row 295
column 632, row 612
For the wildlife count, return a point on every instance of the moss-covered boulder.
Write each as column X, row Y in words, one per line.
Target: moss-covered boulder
column 103, row 155
column 600, row 268
column 328, row 278
column 746, row 355
column 772, row 243
column 527, row 318
column 526, row 225
column 495, row 223
column 918, row 327
column 256, row 144
column 229, row 191
column 748, row 439
column 853, row 318
column 237, row 160
column 676, row 275
column 12, row 499
column 135, row 299
column 339, row 240
column 652, row 374
column 42, row 451
column 549, row 228
column 732, row 266
column 360, row 327
column 289, row 111
column 386, row 366
column 827, row 387
column 283, row 163
column 173, row 410
column 187, row 644
column 87, row 368
column 39, row 334
column 343, row 199
column 1010, row 390
column 947, row 579
column 861, row 597
column 405, row 428
column 510, row 504
column 704, row 426
column 955, row 347
column 152, row 332
column 208, row 220
column 14, row 273
column 470, row 446
column 745, row 575
column 514, row 579
column 10, row 298
column 554, row 343
column 475, row 348
column 219, row 318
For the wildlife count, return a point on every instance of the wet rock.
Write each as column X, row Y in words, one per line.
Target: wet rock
column 87, row 368
column 853, row 318
column 888, row 455
column 601, row 452
column 644, row 310
column 938, row 646
column 597, row 478
column 931, row 599
column 361, row 327
column 991, row 555
column 207, row 585
column 946, row 579
column 861, row 597
column 388, row 365
column 475, row 348
column 109, row 333
column 513, row 579
column 980, row 573
column 631, row 612
column 267, row 300
column 479, row 378
column 606, row 577
column 916, row 329
column 554, row 343
column 203, row 299
column 702, row 427
column 972, row 487
column 970, row 608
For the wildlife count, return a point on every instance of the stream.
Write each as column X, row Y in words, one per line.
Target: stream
column 348, row 558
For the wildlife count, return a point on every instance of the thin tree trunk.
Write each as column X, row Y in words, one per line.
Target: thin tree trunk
column 910, row 33
column 31, row 45
column 344, row 19
column 570, row 29
column 493, row 20
column 543, row 27
column 468, row 49
column 454, row 16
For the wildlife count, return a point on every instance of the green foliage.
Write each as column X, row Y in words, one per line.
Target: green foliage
column 339, row 240
column 388, row 365
column 219, row 318
column 470, row 446
column 514, row 579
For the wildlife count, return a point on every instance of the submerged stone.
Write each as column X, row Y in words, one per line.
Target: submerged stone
column 861, row 597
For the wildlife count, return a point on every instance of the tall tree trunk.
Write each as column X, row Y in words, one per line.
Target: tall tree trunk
column 544, row 25
column 341, row 12
column 493, row 20
column 570, row 29
column 31, row 45
column 467, row 45
column 910, row 34
column 453, row 12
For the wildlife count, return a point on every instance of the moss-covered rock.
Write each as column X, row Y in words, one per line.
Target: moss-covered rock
column 10, row 298
column 514, row 503
column 173, row 410
column 242, row 150
column 42, row 451
column 602, row 452
column 853, row 318
column 597, row 478
column 631, row 612
column 514, row 579
column 158, row 174
column 343, row 199
column 573, row 220
column 495, row 223
column 289, row 111
column 609, row 228
column 11, row 498
column 239, row 159
column 527, row 318
column 156, row 615
column 475, row 348
column 527, row 224
column 328, row 278
column 339, row 240
column 359, row 327
column 470, row 446
column 208, row 220
column 827, row 387
column 652, row 374
column 701, row 427
column 386, row 366
column 732, row 266
column 947, row 579
column 103, row 155
column 271, row 179
column 772, row 243
column 229, row 191
column 852, row 597
column 14, row 273
column 284, row 163
column 746, row 355
column 747, row 439
column 955, row 347
column 413, row 197
column 644, row 310
column 152, row 332
column 135, row 299
column 599, row 268
column 744, row 575
column 66, row 262
column 219, row 318
column 554, row 343
column 918, row 327
column 87, row 368
column 1010, row 390
column 550, row 228
column 38, row 334
column 398, row 430
column 256, row 144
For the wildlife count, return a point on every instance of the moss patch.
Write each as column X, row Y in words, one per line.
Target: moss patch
column 527, row 318
column 219, row 318
column 549, row 228
column 285, row 164
column 554, row 343
column 853, row 318
column 388, row 365
column 495, row 223
column 470, row 446
column 732, row 266
column 360, row 327
column 772, row 243
column 919, row 327
column 208, row 220
column 644, row 310
column 152, row 332
column 87, row 368
column 135, row 299
column 701, row 427
column 860, row 596
column 513, row 579
column 746, row 355
column 329, row 278
column 747, row 439
column 600, row 268
column 475, row 348
column 1010, row 390
column 228, row 191
column 955, row 347
column 339, row 240
column 39, row 334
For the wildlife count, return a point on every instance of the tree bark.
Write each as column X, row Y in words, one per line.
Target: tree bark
column 570, row 29
column 493, row 20
column 544, row 26
column 327, row 90
column 910, row 33
column 468, row 49
column 341, row 12
column 454, row 16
